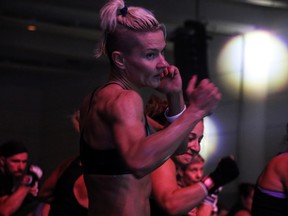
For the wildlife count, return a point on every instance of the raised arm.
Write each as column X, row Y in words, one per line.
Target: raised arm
column 127, row 112
column 173, row 199
column 9, row 204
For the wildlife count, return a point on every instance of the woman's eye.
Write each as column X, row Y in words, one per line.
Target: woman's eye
column 150, row 55
column 191, row 136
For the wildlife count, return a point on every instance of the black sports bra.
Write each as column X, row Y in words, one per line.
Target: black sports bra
column 104, row 162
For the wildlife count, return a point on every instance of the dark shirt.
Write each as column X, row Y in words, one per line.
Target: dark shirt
column 8, row 186
column 65, row 202
column 266, row 205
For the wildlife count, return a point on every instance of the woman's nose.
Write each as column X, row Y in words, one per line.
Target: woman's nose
column 196, row 147
column 162, row 62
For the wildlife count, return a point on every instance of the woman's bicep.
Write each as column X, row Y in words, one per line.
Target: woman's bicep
column 164, row 180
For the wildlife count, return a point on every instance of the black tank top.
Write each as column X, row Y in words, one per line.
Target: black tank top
column 266, row 205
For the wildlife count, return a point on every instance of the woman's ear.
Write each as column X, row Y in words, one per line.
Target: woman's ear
column 118, row 59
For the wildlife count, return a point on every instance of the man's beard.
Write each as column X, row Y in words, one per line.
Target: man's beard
column 17, row 176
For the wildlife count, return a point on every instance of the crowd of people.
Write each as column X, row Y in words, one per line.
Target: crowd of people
column 131, row 163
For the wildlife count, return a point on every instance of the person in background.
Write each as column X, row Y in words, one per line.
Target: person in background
column 64, row 192
column 271, row 192
column 168, row 198
column 244, row 204
column 118, row 151
column 18, row 181
column 192, row 173
column 155, row 109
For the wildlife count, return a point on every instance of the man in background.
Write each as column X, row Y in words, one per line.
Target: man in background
column 18, row 182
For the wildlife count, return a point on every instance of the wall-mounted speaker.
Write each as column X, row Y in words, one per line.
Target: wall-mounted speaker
column 190, row 51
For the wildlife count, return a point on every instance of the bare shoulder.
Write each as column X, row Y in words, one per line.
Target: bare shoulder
column 280, row 161
column 166, row 171
column 280, row 165
column 111, row 102
column 275, row 175
column 128, row 97
column 124, row 103
column 168, row 168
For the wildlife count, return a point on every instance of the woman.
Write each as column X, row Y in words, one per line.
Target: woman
column 117, row 151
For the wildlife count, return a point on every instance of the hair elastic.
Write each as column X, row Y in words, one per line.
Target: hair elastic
column 124, row 10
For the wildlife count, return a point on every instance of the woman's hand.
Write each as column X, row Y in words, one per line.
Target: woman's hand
column 204, row 97
column 171, row 81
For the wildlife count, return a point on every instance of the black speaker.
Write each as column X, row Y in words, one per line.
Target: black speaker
column 190, row 51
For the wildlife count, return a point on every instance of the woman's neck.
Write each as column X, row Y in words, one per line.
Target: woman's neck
column 121, row 81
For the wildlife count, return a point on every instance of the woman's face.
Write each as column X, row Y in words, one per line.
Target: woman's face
column 145, row 61
column 193, row 146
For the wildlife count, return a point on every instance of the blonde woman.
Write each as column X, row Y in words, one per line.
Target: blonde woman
column 117, row 150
